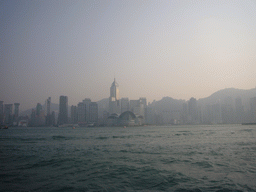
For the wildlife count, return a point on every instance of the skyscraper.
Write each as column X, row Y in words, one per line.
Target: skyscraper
column 49, row 118
column 192, row 111
column 125, row 105
column 253, row 109
column 8, row 114
column 114, row 105
column 16, row 111
column 73, row 114
column 81, row 112
column 48, row 106
column 1, row 107
column 239, row 110
column 1, row 112
column 87, row 103
column 93, row 112
column 39, row 108
column 63, row 110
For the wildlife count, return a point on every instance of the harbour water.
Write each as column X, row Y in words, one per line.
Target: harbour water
column 151, row 158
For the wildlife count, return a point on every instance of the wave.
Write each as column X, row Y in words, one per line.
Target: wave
column 204, row 164
column 102, row 138
column 59, row 137
column 23, row 140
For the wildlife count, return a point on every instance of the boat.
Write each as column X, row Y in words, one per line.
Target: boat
column 248, row 123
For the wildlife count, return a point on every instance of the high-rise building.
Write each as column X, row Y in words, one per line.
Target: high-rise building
column 53, row 118
column 93, row 112
column 8, row 114
column 133, row 105
column 227, row 110
column 1, row 112
column 114, row 105
column 87, row 103
column 1, row 107
column 184, row 113
column 81, row 112
column 33, row 118
column 16, row 112
column 74, row 114
column 48, row 106
column 137, row 107
column 48, row 118
column 63, row 110
column 253, row 109
column 125, row 105
column 192, row 111
column 150, row 113
column 143, row 100
column 216, row 114
column 239, row 110
column 39, row 108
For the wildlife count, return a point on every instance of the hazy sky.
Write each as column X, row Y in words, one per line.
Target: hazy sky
column 180, row 49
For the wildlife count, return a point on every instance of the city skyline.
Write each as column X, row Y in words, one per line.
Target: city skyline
column 44, row 102
column 180, row 49
column 226, row 106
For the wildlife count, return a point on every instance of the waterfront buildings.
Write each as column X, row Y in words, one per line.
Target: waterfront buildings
column 93, row 113
column 74, row 116
column 39, row 108
column 16, row 113
column 1, row 112
column 16, row 110
column 253, row 109
column 81, row 112
column 85, row 113
column 63, row 110
column 212, row 110
column 114, row 104
column 48, row 106
column 8, row 116
column 192, row 111
column 49, row 116
column 125, row 111
column 87, row 103
column 125, row 104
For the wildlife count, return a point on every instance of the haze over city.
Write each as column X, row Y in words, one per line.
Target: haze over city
column 154, row 49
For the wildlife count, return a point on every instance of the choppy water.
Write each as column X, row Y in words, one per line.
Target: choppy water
column 162, row 158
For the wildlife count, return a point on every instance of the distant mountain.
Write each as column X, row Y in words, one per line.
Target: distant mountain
column 167, row 103
column 221, row 96
column 229, row 93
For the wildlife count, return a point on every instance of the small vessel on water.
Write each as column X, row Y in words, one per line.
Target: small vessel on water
column 248, row 123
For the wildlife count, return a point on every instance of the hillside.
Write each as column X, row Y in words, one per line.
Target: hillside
column 230, row 93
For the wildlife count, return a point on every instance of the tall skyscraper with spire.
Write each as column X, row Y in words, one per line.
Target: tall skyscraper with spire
column 114, row 104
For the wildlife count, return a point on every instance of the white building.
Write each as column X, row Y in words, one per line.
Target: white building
column 114, row 103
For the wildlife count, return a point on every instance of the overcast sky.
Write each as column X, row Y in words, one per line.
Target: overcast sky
column 154, row 49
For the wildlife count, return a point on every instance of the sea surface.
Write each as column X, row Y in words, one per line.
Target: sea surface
column 150, row 158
